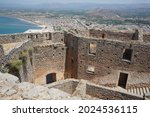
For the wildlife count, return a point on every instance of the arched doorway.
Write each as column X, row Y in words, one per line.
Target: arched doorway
column 50, row 78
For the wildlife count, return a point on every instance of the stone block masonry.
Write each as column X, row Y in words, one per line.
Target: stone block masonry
column 110, row 58
column 91, row 90
column 105, row 55
column 49, row 59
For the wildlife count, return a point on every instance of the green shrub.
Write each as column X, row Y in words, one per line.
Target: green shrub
column 15, row 64
column 23, row 54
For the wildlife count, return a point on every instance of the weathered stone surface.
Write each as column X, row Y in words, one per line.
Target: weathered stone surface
column 43, row 92
column 7, row 84
column 80, row 89
column 58, row 94
column 11, row 89
column 9, row 78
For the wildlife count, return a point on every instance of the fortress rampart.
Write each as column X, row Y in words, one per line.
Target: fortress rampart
column 109, row 58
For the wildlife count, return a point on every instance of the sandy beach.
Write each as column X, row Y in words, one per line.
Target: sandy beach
column 31, row 22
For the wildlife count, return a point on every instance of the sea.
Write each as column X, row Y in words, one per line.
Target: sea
column 10, row 25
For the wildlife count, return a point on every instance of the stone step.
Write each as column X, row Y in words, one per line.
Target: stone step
column 138, row 92
column 144, row 90
column 147, row 89
column 134, row 90
column 131, row 90
column 141, row 91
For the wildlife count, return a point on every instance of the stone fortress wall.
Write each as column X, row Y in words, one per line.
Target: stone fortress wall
column 48, row 54
column 109, row 58
column 49, row 58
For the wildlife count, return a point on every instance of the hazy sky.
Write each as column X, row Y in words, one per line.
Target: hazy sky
column 68, row 1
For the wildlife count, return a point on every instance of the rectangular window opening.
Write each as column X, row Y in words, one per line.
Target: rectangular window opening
column 127, row 55
column 123, row 80
column 92, row 48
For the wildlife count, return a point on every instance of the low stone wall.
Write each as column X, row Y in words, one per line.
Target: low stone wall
column 35, row 37
column 109, row 94
column 68, row 85
column 93, row 90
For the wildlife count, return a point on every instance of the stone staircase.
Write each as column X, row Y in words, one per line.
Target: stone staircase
column 139, row 91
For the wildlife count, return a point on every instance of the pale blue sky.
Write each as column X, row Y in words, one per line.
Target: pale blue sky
column 74, row 1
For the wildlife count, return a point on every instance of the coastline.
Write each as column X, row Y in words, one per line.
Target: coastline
column 25, row 20
column 31, row 22
column 36, row 24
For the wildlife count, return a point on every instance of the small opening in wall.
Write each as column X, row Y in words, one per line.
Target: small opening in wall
column 50, row 78
column 72, row 61
column 62, row 40
column 36, row 36
column 55, row 47
column 103, row 35
column 123, row 77
column 90, row 69
column 127, row 55
column 45, row 35
column 92, row 48
column 28, row 36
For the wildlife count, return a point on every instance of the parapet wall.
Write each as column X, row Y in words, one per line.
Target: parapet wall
column 117, row 35
column 12, row 38
column 55, row 37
